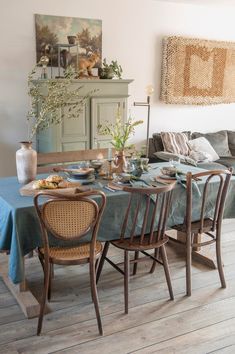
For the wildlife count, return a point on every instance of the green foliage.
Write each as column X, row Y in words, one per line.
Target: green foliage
column 114, row 67
column 52, row 100
column 120, row 132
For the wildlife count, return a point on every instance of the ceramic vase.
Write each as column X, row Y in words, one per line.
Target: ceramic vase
column 26, row 163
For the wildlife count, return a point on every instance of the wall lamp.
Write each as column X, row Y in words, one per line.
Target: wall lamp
column 149, row 91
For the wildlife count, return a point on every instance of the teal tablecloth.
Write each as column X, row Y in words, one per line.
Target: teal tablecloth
column 19, row 226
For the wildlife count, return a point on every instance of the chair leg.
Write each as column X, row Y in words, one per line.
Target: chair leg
column 51, row 275
column 94, row 295
column 156, row 255
column 126, row 279
column 44, row 296
column 135, row 264
column 167, row 271
column 188, row 265
column 101, row 263
column 219, row 261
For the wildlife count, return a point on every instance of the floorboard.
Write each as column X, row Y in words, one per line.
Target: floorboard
column 203, row 323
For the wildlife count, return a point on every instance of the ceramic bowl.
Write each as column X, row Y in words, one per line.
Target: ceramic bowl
column 169, row 171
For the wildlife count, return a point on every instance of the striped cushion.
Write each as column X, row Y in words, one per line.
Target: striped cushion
column 175, row 143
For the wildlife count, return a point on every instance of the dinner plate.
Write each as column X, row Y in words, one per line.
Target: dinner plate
column 82, row 180
column 167, row 177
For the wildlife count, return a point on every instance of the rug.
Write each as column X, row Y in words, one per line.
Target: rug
column 197, row 71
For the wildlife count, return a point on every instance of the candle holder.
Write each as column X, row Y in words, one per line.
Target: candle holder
column 109, row 176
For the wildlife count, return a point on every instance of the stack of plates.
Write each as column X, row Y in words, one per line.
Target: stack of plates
column 81, row 175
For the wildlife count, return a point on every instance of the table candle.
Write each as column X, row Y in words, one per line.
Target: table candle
column 109, row 153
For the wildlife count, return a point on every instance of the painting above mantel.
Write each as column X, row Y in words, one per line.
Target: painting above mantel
column 68, row 33
column 198, row 72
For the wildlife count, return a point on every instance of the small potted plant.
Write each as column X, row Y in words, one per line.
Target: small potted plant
column 109, row 71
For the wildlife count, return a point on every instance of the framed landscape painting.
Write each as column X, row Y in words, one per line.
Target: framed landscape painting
column 52, row 31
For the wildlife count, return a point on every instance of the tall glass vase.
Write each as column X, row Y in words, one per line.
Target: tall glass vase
column 26, row 163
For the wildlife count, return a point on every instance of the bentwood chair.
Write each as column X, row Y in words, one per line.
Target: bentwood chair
column 143, row 230
column 69, row 218
column 216, row 184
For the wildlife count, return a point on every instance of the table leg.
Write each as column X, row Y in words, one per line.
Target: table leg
column 204, row 255
column 28, row 303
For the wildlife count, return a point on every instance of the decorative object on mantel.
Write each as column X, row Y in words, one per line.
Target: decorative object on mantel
column 85, row 66
column 83, row 35
column 109, row 71
column 197, row 71
column 120, row 133
column 149, row 91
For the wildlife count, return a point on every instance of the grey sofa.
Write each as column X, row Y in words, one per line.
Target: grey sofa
column 222, row 141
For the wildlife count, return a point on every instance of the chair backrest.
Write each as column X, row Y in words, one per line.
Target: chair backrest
column 219, row 181
column 47, row 161
column 69, row 217
column 146, row 214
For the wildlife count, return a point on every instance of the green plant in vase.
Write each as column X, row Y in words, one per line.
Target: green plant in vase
column 120, row 133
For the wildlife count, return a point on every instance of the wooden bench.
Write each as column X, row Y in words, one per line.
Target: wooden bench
column 47, row 161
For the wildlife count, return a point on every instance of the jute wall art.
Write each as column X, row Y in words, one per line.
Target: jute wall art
column 196, row 71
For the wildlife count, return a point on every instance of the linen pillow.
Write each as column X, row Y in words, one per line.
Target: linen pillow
column 218, row 140
column 175, row 143
column 167, row 156
column 203, row 145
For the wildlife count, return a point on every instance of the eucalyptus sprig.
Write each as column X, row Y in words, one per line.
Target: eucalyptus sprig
column 120, row 132
column 52, row 100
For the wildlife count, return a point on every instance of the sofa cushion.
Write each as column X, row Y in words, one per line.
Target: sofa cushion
column 218, row 140
column 157, row 140
column 228, row 161
column 231, row 141
column 167, row 156
column 203, row 145
column 211, row 165
column 175, row 143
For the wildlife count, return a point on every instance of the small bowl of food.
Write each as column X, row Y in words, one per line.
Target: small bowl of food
column 169, row 171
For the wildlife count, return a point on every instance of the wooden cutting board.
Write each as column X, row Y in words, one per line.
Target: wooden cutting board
column 28, row 189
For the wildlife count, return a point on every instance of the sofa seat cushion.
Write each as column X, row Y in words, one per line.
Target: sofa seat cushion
column 218, row 140
column 228, row 161
column 215, row 165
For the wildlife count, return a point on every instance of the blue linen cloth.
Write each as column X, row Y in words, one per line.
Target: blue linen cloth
column 19, row 225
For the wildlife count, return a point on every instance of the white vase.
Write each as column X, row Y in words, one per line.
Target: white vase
column 26, row 162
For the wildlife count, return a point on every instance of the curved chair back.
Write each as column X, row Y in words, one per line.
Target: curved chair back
column 219, row 180
column 69, row 217
column 146, row 214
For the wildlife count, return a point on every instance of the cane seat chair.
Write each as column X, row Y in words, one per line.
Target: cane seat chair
column 193, row 230
column 143, row 229
column 69, row 218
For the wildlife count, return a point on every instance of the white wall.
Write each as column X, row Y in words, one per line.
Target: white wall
column 132, row 33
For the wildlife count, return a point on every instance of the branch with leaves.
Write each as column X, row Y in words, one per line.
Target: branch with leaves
column 52, row 100
column 120, row 132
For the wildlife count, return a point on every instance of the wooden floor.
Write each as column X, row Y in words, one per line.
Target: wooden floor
column 204, row 323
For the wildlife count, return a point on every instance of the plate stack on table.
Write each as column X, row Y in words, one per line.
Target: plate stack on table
column 81, row 175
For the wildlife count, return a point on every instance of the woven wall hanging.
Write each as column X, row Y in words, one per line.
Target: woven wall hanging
column 196, row 71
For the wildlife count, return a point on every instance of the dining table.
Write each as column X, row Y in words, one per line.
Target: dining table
column 20, row 230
